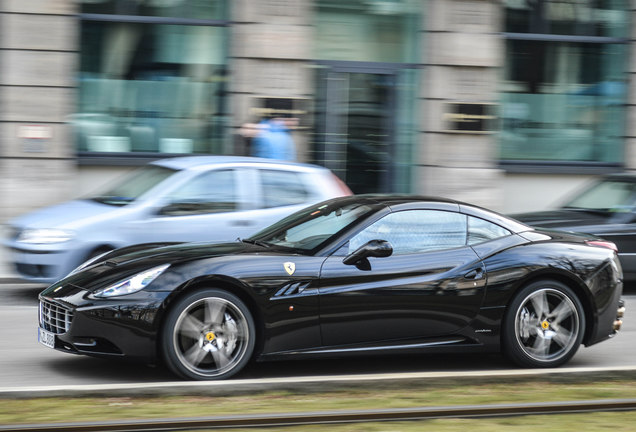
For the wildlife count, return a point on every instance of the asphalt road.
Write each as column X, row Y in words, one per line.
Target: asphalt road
column 24, row 362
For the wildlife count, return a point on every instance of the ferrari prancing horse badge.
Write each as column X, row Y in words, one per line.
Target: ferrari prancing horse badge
column 290, row 267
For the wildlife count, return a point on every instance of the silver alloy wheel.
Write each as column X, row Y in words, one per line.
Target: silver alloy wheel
column 210, row 336
column 547, row 325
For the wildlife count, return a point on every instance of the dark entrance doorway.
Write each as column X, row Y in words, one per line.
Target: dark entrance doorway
column 355, row 123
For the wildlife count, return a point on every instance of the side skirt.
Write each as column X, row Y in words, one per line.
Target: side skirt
column 441, row 345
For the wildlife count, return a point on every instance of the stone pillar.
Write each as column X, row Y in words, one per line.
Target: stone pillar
column 38, row 58
column 464, row 52
column 270, row 44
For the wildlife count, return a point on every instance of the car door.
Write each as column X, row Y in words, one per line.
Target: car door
column 215, row 205
column 431, row 285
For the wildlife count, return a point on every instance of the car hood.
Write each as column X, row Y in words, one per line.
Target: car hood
column 179, row 252
column 565, row 219
column 68, row 215
column 126, row 262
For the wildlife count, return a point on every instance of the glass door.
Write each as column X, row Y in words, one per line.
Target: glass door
column 355, row 115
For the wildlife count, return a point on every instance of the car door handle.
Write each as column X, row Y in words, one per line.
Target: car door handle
column 242, row 223
column 475, row 274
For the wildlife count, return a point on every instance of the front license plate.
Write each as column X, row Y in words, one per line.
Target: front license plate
column 46, row 338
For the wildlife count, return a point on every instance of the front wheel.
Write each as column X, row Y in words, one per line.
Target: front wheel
column 544, row 325
column 208, row 335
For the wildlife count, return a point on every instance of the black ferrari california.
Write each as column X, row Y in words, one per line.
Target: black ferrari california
column 349, row 276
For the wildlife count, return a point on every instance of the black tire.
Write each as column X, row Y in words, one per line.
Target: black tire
column 544, row 325
column 207, row 335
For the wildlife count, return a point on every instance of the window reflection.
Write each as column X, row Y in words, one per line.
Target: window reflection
column 563, row 97
column 156, row 88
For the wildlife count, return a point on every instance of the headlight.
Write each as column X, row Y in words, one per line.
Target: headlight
column 45, row 236
column 132, row 284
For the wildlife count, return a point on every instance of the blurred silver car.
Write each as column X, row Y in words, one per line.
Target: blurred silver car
column 196, row 198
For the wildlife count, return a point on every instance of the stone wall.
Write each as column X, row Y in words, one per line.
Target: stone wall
column 463, row 53
column 38, row 60
column 270, row 49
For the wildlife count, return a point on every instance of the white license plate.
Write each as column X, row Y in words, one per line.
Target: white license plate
column 46, row 338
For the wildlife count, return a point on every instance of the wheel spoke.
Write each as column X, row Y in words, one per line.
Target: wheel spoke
column 195, row 355
column 220, row 358
column 563, row 337
column 540, row 303
column 541, row 346
column 214, row 312
column 191, row 326
column 561, row 312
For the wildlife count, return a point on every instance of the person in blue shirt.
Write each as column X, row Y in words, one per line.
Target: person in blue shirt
column 274, row 140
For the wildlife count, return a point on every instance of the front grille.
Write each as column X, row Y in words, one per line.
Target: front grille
column 54, row 317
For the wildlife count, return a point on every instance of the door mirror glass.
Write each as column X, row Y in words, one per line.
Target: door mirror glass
column 373, row 248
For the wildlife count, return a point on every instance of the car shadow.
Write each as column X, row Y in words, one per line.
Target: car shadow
column 88, row 370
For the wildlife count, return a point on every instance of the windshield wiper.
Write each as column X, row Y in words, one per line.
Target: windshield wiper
column 256, row 242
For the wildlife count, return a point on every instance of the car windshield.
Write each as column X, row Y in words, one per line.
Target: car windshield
column 606, row 195
column 314, row 226
column 132, row 186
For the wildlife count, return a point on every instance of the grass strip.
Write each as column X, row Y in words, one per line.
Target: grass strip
column 387, row 395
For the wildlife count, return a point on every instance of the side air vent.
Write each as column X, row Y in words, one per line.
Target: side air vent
column 292, row 289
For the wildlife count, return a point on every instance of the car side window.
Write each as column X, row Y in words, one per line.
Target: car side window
column 211, row 192
column 416, row 231
column 480, row 230
column 282, row 188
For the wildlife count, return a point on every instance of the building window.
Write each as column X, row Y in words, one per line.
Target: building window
column 564, row 87
column 153, row 77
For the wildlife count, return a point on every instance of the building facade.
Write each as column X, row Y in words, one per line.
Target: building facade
column 506, row 104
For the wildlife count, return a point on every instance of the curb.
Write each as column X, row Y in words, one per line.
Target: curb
column 311, row 384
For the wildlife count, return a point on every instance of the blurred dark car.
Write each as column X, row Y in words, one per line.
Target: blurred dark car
column 183, row 199
column 606, row 208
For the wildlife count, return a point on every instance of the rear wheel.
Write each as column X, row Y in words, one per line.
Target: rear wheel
column 208, row 335
column 544, row 325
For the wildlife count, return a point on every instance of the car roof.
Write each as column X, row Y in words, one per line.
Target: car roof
column 394, row 201
column 189, row 162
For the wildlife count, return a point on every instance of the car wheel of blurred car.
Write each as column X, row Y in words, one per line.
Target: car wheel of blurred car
column 544, row 325
column 208, row 334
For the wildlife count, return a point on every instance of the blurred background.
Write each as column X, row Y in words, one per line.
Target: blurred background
column 506, row 104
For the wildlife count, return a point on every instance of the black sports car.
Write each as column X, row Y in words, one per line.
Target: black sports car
column 606, row 208
column 354, row 275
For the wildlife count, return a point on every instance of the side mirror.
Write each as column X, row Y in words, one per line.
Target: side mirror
column 373, row 248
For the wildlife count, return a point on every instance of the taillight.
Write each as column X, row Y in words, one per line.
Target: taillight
column 602, row 243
